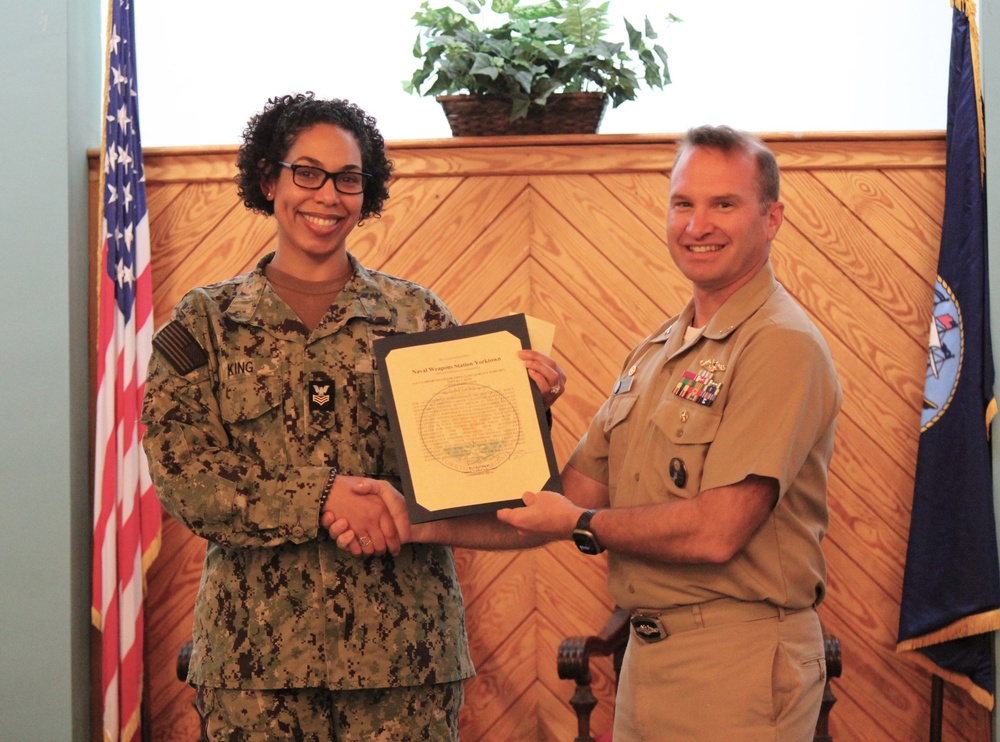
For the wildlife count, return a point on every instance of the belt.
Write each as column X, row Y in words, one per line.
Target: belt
column 656, row 625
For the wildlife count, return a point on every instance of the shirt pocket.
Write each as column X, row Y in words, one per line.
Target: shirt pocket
column 250, row 406
column 616, row 427
column 373, row 439
column 680, row 435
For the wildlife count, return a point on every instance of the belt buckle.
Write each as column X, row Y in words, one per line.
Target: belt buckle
column 648, row 627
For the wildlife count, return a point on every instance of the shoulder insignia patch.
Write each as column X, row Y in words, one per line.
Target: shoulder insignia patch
column 180, row 348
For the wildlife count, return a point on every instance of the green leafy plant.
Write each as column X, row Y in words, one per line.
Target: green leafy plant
column 540, row 49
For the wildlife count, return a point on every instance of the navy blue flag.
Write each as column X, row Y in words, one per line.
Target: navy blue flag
column 951, row 585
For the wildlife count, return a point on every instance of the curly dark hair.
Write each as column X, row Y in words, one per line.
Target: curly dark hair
column 269, row 136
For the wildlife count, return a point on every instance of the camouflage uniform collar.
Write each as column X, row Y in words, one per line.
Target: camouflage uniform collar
column 249, row 293
column 254, row 303
column 364, row 297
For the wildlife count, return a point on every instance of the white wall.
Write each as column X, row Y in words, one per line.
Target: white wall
column 204, row 66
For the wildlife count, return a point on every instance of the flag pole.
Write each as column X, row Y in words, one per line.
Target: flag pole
column 937, row 703
column 101, row 185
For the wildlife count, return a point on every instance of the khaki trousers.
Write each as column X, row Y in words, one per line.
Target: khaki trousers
column 717, row 678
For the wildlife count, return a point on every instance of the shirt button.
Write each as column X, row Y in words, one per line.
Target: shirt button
column 680, row 432
column 298, row 531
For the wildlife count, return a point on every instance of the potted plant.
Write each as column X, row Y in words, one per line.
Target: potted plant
column 545, row 58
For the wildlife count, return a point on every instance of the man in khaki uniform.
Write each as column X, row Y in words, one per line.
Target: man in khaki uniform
column 704, row 476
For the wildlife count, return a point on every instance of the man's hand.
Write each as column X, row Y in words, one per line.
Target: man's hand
column 545, row 513
column 372, row 526
column 393, row 523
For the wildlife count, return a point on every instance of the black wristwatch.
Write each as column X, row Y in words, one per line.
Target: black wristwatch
column 585, row 539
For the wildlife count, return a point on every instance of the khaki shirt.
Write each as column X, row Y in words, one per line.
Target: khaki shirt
column 760, row 396
column 243, row 426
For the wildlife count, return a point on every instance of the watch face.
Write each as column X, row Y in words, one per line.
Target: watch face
column 586, row 543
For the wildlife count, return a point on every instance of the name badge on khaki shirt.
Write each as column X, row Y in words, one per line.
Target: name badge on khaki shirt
column 624, row 384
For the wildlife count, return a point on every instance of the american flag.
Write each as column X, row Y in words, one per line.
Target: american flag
column 126, row 512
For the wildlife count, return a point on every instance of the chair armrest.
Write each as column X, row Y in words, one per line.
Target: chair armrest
column 184, row 660
column 573, row 662
column 831, row 645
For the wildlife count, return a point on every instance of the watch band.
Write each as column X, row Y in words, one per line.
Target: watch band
column 583, row 524
column 585, row 539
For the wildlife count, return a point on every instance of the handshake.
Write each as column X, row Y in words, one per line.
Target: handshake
column 366, row 516
column 369, row 516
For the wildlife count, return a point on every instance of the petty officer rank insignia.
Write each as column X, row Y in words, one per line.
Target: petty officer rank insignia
column 320, row 394
column 700, row 387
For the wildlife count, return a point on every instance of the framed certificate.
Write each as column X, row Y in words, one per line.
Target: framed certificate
column 469, row 425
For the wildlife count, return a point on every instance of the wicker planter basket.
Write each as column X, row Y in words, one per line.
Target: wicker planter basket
column 489, row 115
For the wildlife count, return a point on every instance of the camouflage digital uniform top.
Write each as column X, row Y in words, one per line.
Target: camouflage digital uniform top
column 241, row 439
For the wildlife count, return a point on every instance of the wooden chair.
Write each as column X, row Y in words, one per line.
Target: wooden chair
column 573, row 663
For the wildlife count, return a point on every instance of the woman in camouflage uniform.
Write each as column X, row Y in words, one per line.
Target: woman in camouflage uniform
column 261, row 389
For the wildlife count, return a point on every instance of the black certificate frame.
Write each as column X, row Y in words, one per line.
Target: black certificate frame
column 516, row 325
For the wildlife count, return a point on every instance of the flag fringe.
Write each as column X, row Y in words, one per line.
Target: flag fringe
column 980, row 623
column 96, row 619
column 968, row 7
column 149, row 556
column 977, row 694
column 132, row 725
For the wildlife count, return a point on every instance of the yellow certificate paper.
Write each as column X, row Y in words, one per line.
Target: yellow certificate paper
column 469, row 425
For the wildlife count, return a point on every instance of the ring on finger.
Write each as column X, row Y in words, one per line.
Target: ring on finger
column 555, row 388
column 365, row 542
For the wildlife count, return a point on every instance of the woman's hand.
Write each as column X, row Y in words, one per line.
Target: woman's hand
column 358, row 536
column 546, row 373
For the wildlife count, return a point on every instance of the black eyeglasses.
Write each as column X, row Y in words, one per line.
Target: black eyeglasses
column 351, row 182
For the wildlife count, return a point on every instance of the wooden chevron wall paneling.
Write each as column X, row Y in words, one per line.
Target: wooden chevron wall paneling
column 571, row 230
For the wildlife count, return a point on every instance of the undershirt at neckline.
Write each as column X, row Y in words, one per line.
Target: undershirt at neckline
column 310, row 300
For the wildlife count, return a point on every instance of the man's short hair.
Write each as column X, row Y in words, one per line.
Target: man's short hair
column 727, row 140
